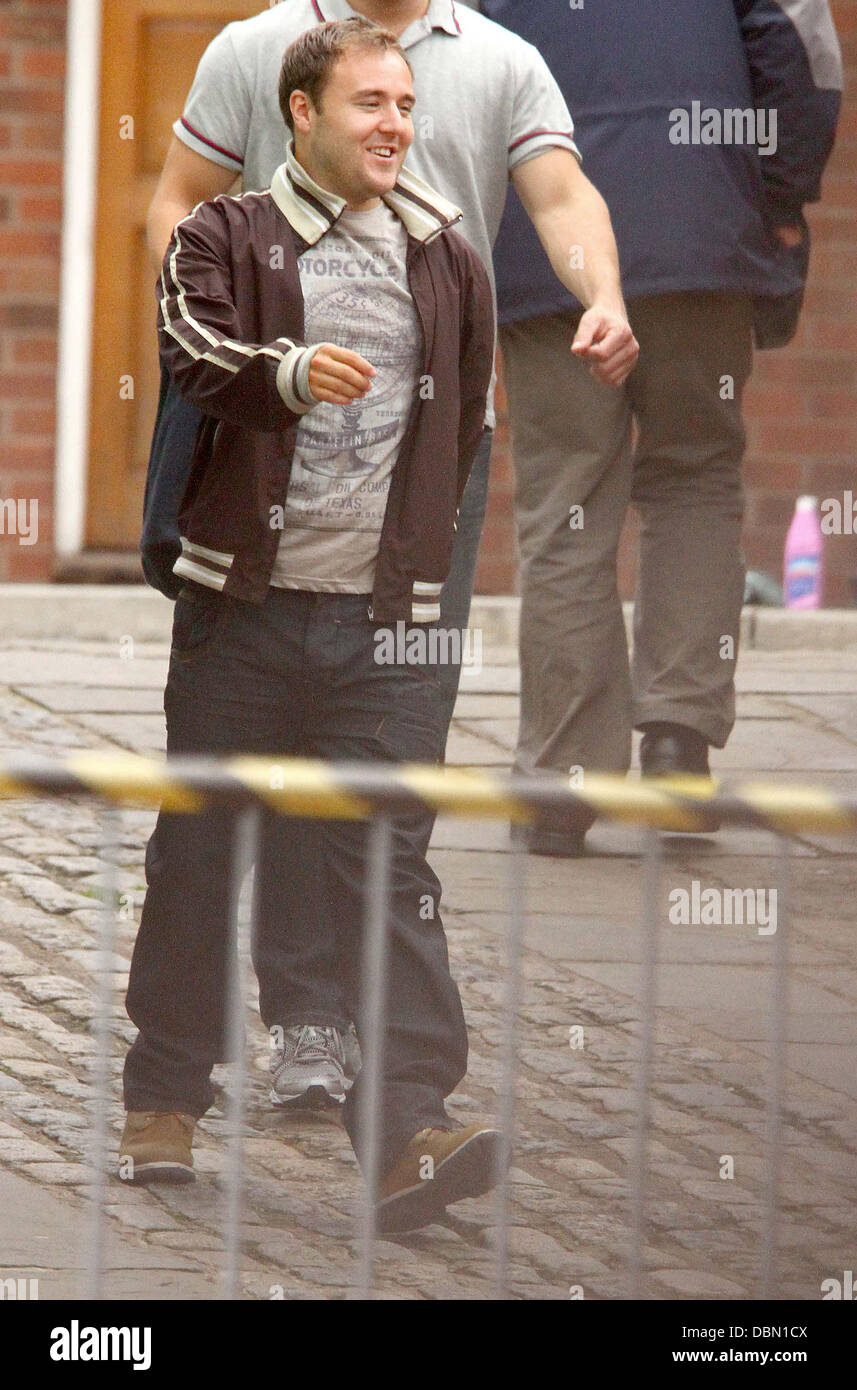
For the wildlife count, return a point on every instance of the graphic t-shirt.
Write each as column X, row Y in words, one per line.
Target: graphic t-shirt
column 356, row 294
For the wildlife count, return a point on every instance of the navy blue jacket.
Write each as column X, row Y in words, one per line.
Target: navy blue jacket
column 686, row 216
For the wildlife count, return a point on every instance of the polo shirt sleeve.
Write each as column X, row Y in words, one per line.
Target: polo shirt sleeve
column 540, row 119
column 216, row 118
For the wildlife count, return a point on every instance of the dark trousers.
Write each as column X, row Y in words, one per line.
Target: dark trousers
column 458, row 589
column 296, row 676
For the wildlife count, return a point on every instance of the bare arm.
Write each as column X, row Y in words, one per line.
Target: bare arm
column 574, row 227
column 186, row 179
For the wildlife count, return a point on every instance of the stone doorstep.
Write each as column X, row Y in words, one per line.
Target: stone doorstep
column 87, row 612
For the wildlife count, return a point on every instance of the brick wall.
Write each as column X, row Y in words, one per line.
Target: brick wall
column 801, row 405
column 32, row 66
column 802, row 401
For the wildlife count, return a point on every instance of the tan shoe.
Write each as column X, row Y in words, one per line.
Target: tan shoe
column 156, row 1147
column 438, row 1167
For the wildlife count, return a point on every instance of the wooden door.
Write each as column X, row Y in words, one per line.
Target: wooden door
column 149, row 53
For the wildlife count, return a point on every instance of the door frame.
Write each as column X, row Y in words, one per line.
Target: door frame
column 77, row 268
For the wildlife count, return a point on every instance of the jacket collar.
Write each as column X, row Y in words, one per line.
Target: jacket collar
column 311, row 210
column 440, row 14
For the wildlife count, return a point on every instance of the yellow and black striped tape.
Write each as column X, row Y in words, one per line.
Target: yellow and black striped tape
column 351, row 791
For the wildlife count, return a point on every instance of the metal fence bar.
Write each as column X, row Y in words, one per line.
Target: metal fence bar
column 776, row 1077
column 648, row 1002
column 375, row 793
column 101, row 1062
column 244, row 853
column 373, row 1010
column 517, row 860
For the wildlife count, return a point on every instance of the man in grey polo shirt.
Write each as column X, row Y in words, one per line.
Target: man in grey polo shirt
column 487, row 109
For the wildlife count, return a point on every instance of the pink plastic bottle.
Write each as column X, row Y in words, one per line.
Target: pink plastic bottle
column 802, row 565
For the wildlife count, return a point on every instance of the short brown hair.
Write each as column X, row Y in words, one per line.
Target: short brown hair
column 309, row 61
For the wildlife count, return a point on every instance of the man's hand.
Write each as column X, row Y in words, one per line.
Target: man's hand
column 604, row 339
column 573, row 224
column 791, row 235
column 339, row 376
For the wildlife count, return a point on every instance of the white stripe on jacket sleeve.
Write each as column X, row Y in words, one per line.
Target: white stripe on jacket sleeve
column 197, row 340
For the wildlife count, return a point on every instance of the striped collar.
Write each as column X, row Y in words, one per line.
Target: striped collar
column 440, row 14
column 311, row 210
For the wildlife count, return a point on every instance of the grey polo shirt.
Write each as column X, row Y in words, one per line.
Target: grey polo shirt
column 486, row 102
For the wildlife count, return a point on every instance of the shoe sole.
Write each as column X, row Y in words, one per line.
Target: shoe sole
column 163, row 1171
column 549, row 845
column 707, row 826
column 546, row 849
column 470, row 1171
column 313, row 1098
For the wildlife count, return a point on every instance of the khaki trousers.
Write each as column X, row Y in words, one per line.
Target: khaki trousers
column 573, row 445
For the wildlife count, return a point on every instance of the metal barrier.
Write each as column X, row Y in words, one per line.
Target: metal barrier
column 375, row 792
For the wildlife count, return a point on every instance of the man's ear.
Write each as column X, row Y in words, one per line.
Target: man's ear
column 300, row 107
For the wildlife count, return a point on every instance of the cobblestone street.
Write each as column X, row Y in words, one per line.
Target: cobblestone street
column 576, row 1106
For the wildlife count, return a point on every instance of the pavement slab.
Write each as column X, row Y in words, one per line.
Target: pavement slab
column 140, row 733
column 93, row 699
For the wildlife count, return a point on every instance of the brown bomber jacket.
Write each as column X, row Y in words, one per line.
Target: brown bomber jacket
column 230, row 327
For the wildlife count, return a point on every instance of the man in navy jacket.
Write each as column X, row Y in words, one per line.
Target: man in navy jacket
column 706, row 128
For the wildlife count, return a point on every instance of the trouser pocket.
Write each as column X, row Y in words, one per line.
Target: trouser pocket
column 195, row 621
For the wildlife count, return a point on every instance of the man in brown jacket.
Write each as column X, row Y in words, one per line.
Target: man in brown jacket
column 338, row 334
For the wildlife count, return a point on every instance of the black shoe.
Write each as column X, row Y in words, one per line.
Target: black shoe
column 676, row 751
column 552, row 844
column 668, row 749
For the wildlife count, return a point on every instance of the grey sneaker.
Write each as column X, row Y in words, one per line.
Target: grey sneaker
column 307, row 1067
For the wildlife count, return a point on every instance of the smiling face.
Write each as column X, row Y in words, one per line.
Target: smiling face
column 355, row 141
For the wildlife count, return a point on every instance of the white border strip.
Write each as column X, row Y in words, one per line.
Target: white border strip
column 80, row 172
